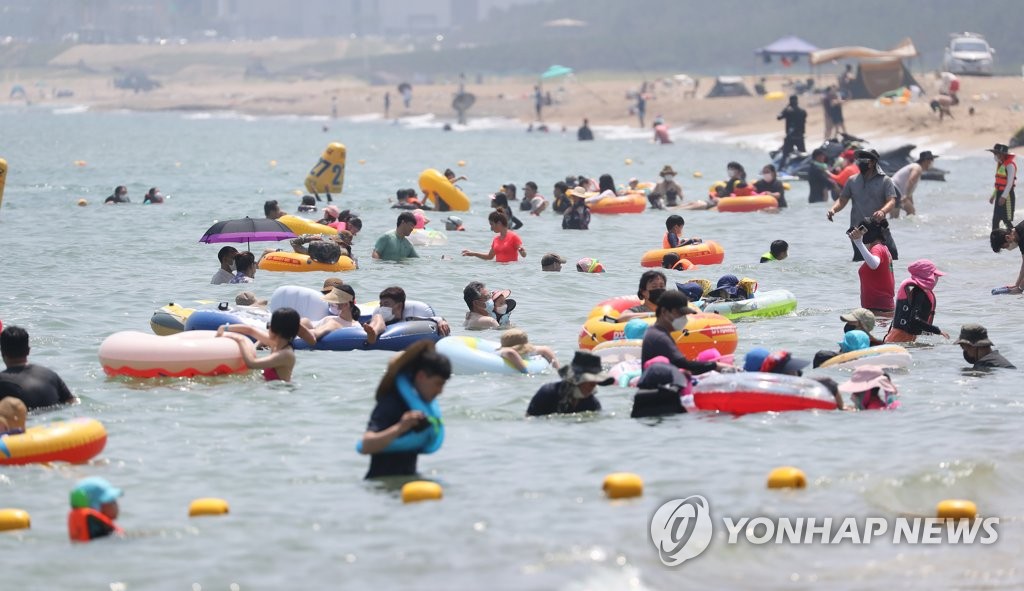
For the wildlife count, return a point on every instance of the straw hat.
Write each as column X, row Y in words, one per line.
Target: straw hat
column 338, row 296
column 399, row 363
column 578, row 193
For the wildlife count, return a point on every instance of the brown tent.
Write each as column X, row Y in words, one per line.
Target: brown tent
column 875, row 78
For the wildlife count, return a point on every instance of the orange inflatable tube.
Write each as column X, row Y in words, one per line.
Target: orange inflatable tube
column 744, row 204
column 628, row 203
column 705, row 253
column 703, row 331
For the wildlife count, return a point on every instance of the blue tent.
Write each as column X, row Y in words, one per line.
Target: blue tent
column 789, row 47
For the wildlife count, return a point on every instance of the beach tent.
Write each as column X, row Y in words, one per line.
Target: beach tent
column 728, row 86
column 875, row 78
column 789, row 48
column 878, row 71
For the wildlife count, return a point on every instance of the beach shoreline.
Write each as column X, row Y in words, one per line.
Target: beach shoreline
column 998, row 104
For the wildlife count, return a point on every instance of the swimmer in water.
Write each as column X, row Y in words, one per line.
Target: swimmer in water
column 284, row 327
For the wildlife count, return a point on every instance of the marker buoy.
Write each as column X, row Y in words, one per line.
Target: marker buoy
column 12, row 519
column 273, row 163
column 298, row 193
column 328, row 174
column 628, row 161
column 3, row 179
column 787, row 477
column 82, row 203
column 461, row 163
column 207, row 506
column 421, row 490
column 623, row 485
column 956, row 509
column 80, row 163
column 361, row 161
column 698, row 174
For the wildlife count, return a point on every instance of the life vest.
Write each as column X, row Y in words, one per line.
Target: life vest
column 768, row 256
column 1001, row 178
column 682, row 265
column 904, row 313
column 79, row 521
column 426, row 441
column 664, row 241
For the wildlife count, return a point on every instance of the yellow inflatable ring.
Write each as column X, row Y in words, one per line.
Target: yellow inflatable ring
column 76, row 441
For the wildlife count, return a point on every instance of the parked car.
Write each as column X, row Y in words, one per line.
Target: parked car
column 968, row 53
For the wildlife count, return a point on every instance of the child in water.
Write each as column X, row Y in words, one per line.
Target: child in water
column 12, row 416
column 871, row 389
column 516, row 347
column 674, row 236
column 283, row 328
column 93, row 510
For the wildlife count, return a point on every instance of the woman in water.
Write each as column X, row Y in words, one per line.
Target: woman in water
column 652, row 284
column 605, row 188
column 877, row 282
column 506, row 247
column 341, row 303
column 915, row 304
column 769, row 184
column 283, row 328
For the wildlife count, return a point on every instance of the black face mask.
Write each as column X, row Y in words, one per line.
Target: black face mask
column 654, row 295
column 968, row 358
column 849, row 327
column 865, row 165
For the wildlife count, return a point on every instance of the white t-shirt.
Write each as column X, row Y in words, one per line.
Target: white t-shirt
column 222, row 276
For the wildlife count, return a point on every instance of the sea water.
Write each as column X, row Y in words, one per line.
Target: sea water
column 522, row 507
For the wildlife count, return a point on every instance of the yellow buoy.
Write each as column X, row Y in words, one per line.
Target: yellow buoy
column 956, row 509
column 207, row 506
column 698, row 174
column 461, row 163
column 297, row 192
column 328, row 174
column 80, row 163
column 273, row 163
column 12, row 519
column 82, row 203
column 361, row 161
column 3, row 178
column 421, row 490
column 786, row 186
column 628, row 161
column 787, row 477
column 623, row 485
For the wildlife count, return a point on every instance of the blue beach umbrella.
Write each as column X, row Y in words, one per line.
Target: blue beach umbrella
column 555, row 72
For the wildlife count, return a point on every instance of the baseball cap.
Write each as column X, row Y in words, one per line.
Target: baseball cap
column 550, row 259
column 862, row 316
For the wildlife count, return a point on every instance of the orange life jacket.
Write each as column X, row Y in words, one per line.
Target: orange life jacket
column 78, row 525
column 1001, row 178
column 664, row 241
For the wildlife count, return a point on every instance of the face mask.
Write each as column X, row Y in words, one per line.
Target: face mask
column 387, row 314
column 679, row 323
column 669, row 177
column 967, row 357
column 767, row 177
column 489, row 306
column 333, row 309
column 655, row 294
column 864, row 165
column 501, row 309
column 849, row 327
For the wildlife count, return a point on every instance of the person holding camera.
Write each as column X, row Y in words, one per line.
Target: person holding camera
column 877, row 282
column 872, row 194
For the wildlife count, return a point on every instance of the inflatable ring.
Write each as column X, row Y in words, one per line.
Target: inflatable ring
column 777, row 302
column 750, row 392
column 888, row 356
column 254, row 316
column 628, row 203
column 76, row 441
column 170, row 319
column 623, row 350
column 705, row 253
column 302, row 226
column 613, row 307
column 395, row 337
column 745, row 204
column 294, row 262
column 422, row 237
column 441, row 192
column 186, row 354
column 473, row 355
column 703, row 331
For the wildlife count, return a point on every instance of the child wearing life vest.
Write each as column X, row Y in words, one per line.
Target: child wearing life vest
column 93, row 510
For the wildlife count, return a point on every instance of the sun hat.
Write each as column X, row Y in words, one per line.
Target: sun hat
column 578, row 193
column 666, row 170
column 338, row 296
column 748, row 285
column 421, row 218
column 1000, row 149
column 589, row 265
column 924, row 273
column 755, row 357
column 330, row 283
column 783, row 362
column 248, row 298
column 854, row 340
column 871, row 154
column 332, row 210
column 974, row 335
column 867, row 377
column 585, row 367
column 862, row 316
column 516, row 338
column 727, row 284
column 93, row 492
column 926, row 155
column 501, row 293
column 399, row 362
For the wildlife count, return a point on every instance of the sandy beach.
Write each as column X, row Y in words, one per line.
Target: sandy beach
column 998, row 102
